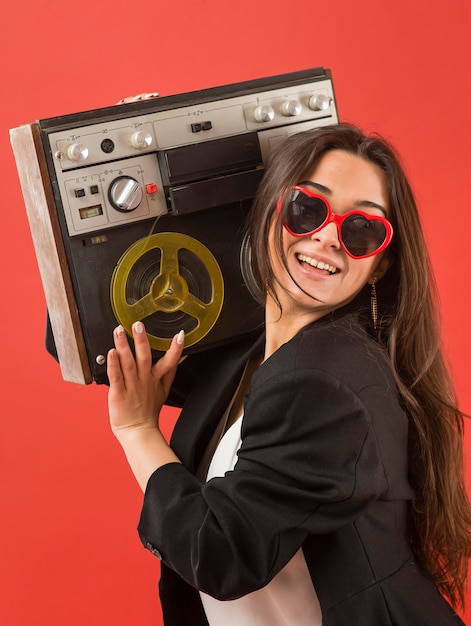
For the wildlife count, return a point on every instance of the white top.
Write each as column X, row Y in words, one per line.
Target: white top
column 289, row 599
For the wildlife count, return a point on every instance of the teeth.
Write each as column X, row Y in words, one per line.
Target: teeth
column 319, row 264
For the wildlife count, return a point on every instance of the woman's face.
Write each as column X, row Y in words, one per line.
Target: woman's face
column 348, row 182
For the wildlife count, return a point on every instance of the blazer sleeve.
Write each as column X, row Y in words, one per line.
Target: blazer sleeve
column 308, row 463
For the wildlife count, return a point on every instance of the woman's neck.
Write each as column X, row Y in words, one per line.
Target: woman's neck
column 282, row 326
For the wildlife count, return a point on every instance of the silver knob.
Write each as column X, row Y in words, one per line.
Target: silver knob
column 77, row 152
column 320, row 102
column 125, row 194
column 264, row 113
column 141, row 140
column 291, row 108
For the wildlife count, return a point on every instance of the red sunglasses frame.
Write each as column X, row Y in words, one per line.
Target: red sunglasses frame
column 338, row 219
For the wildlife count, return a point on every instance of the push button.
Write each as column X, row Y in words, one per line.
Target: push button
column 197, row 127
column 151, row 188
column 79, row 193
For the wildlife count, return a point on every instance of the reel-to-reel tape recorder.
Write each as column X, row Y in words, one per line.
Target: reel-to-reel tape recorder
column 137, row 211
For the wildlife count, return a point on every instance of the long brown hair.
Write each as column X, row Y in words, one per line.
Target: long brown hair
column 440, row 514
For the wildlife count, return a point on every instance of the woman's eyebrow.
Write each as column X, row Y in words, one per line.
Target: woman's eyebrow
column 366, row 204
column 318, row 186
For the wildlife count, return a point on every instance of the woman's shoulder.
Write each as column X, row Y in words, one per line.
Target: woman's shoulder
column 340, row 347
column 339, row 334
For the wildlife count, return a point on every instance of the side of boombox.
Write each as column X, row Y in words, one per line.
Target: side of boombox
column 137, row 212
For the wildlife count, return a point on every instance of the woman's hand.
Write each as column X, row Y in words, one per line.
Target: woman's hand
column 138, row 390
column 139, row 97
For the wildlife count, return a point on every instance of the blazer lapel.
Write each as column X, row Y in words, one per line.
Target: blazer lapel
column 206, row 403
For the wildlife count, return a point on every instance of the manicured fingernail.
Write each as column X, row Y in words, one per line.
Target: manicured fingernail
column 139, row 327
column 181, row 337
column 120, row 331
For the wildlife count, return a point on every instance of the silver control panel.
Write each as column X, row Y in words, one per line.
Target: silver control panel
column 108, row 173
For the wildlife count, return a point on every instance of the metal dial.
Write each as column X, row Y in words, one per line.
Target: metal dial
column 264, row 113
column 125, row 194
column 291, row 108
column 77, row 152
column 320, row 102
column 141, row 140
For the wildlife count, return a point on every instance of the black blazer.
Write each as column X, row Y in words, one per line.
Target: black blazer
column 323, row 465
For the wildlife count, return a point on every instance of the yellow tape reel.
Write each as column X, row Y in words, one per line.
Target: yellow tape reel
column 169, row 291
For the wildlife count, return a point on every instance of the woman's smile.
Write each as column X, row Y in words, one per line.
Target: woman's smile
column 323, row 266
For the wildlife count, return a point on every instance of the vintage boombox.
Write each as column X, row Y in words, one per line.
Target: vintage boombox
column 137, row 212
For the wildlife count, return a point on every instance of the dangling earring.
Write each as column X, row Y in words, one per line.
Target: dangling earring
column 374, row 304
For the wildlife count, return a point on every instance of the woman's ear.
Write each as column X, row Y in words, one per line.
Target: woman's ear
column 380, row 270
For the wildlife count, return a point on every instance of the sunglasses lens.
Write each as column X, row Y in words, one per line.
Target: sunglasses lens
column 362, row 236
column 305, row 214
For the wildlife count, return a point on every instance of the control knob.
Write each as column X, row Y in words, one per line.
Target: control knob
column 77, row 152
column 264, row 113
column 320, row 102
column 125, row 194
column 291, row 108
column 141, row 140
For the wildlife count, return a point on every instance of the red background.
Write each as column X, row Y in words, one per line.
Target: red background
column 69, row 552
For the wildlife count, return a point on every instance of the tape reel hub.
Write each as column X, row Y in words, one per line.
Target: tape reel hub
column 169, row 292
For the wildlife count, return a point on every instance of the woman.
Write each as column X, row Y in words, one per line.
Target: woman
column 315, row 473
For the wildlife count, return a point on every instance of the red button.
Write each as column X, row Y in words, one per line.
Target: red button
column 152, row 188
